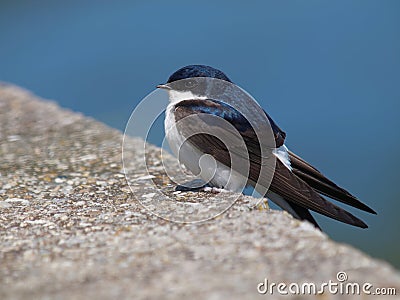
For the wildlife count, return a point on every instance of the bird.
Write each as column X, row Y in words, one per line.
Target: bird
column 295, row 185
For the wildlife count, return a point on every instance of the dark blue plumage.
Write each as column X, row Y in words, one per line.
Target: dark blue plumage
column 223, row 110
column 227, row 112
column 219, row 109
column 197, row 71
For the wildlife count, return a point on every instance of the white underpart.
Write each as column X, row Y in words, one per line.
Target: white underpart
column 177, row 96
column 203, row 165
column 282, row 154
column 207, row 168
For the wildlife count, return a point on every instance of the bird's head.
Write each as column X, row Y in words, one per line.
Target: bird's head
column 197, row 71
column 183, row 84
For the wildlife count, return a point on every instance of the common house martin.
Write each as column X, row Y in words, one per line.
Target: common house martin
column 295, row 186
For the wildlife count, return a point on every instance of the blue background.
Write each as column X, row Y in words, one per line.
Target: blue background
column 328, row 72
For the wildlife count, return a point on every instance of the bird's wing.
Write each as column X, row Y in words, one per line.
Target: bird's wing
column 284, row 182
column 279, row 134
column 295, row 190
column 322, row 184
column 193, row 132
column 230, row 114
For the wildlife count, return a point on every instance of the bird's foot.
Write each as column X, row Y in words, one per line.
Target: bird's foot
column 262, row 205
column 214, row 190
column 197, row 185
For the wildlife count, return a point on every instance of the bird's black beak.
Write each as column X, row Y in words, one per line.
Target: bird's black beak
column 164, row 86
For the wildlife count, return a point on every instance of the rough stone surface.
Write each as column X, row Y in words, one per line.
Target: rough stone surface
column 71, row 228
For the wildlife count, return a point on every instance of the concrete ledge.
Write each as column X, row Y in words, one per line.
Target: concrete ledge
column 70, row 228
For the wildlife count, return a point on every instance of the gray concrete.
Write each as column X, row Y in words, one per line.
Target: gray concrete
column 70, row 227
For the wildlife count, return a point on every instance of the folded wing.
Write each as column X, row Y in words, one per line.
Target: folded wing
column 322, row 184
column 300, row 187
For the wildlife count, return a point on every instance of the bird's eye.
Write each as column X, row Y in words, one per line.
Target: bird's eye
column 190, row 84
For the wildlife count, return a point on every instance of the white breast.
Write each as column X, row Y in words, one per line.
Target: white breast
column 200, row 164
column 177, row 96
column 187, row 155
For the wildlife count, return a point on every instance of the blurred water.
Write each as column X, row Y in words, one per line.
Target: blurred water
column 328, row 73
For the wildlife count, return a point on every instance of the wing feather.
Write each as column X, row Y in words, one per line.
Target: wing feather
column 322, row 184
column 296, row 187
column 295, row 190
